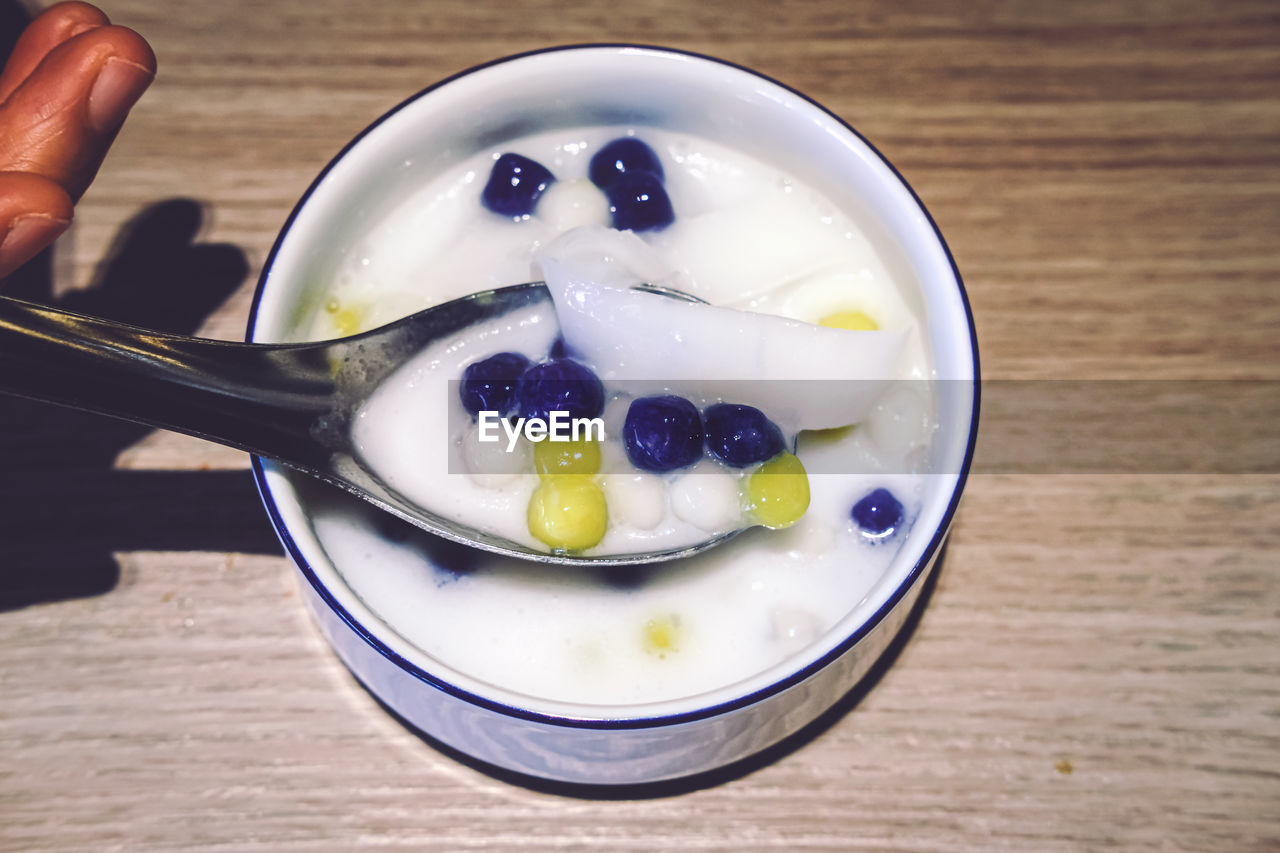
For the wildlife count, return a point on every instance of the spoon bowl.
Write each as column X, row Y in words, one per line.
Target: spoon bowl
column 294, row 403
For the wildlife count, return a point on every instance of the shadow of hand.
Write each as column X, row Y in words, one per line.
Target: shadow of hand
column 64, row 509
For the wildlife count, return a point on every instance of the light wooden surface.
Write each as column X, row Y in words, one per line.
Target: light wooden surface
column 1097, row 667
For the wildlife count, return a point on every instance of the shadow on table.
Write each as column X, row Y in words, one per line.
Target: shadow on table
column 712, row 778
column 63, row 509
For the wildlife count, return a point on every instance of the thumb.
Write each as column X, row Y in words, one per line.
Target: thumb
column 33, row 212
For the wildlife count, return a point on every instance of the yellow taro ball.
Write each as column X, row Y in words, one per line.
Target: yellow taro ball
column 566, row 457
column 662, row 635
column 854, row 321
column 778, row 491
column 348, row 321
column 567, row 512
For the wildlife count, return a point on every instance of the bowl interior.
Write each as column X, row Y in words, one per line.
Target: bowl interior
column 573, row 87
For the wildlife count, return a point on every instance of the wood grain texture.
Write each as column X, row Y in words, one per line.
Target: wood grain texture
column 1097, row 667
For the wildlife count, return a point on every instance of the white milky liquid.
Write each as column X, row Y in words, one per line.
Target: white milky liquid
column 746, row 236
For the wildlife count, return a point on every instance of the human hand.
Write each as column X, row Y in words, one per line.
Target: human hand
column 65, row 91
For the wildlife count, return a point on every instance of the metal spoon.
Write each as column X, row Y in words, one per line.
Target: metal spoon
column 287, row 402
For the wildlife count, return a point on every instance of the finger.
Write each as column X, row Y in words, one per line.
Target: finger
column 59, row 122
column 54, row 26
column 33, row 212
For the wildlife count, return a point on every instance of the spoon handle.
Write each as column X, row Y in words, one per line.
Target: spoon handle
column 254, row 397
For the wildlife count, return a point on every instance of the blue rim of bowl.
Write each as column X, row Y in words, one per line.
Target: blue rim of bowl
column 782, row 684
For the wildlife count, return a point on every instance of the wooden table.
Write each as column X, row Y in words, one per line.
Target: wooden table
column 1097, row 665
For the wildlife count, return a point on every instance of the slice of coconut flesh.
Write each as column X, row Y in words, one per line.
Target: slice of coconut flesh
column 803, row 376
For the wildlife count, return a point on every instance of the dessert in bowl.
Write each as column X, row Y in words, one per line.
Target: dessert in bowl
column 765, row 203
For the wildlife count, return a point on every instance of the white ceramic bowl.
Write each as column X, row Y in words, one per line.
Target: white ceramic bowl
column 618, row 84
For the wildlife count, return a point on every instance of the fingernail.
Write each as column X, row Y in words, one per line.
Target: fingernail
column 119, row 85
column 27, row 236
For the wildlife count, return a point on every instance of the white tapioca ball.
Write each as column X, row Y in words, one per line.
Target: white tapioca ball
column 708, row 499
column 637, row 500
column 794, row 628
column 489, row 463
column 569, row 204
column 898, row 422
